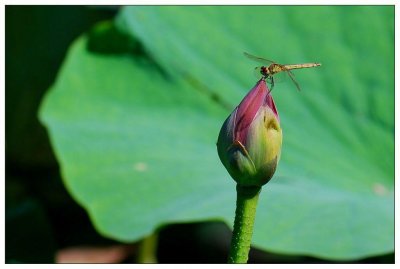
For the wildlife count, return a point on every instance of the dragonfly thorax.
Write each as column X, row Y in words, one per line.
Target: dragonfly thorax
column 274, row 68
column 270, row 70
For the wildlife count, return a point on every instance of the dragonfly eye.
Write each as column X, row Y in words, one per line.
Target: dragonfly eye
column 261, row 70
column 264, row 71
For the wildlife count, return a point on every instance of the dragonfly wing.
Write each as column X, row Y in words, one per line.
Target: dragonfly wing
column 291, row 75
column 280, row 77
column 258, row 59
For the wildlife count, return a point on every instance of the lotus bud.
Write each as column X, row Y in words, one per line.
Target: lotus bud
column 249, row 143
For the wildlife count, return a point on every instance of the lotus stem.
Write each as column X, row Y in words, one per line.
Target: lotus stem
column 246, row 205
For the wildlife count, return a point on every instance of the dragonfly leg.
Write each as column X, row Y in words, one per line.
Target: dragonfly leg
column 271, row 82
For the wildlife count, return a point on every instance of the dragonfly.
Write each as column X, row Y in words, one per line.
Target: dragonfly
column 273, row 68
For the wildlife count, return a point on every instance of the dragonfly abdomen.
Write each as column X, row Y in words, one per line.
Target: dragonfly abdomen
column 299, row 66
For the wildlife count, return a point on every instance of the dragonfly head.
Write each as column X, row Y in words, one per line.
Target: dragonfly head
column 264, row 71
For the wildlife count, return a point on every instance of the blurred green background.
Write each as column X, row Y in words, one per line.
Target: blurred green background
column 133, row 116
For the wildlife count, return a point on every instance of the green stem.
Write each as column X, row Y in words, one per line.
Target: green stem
column 148, row 249
column 246, row 204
